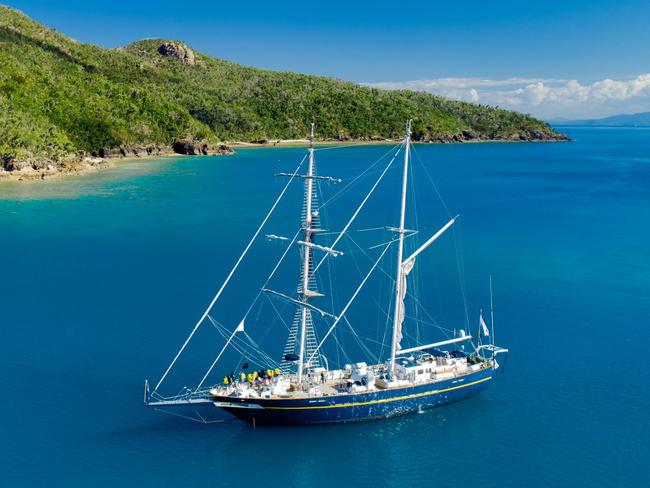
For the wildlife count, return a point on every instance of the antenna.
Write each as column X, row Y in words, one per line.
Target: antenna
column 491, row 311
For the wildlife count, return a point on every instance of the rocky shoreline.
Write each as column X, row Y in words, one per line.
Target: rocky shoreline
column 464, row 136
column 33, row 168
column 523, row 136
column 41, row 169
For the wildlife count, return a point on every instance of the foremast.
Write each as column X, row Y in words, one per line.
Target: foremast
column 398, row 315
column 308, row 233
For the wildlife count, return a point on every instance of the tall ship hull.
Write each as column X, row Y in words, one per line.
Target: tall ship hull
column 355, row 407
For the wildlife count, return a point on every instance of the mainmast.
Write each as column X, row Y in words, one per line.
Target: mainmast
column 398, row 315
column 307, row 253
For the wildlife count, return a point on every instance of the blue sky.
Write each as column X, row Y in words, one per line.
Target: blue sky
column 550, row 58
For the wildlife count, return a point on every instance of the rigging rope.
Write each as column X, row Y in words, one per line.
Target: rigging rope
column 341, row 146
column 232, row 272
column 275, row 269
column 356, row 212
column 253, row 351
column 409, row 294
column 428, row 175
column 362, row 345
column 345, row 309
column 361, row 175
column 461, row 272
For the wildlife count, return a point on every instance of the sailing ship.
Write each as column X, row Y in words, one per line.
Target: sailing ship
column 300, row 387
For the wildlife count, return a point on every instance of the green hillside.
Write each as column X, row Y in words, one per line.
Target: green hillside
column 60, row 98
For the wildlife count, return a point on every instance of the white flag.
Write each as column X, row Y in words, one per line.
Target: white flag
column 240, row 327
column 486, row 331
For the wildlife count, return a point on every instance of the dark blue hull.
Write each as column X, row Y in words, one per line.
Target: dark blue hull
column 355, row 406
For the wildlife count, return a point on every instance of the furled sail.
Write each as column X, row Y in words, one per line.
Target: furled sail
column 407, row 266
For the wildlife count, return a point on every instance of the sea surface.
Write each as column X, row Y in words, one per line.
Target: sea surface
column 104, row 275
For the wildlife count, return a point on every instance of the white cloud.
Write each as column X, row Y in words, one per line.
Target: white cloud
column 544, row 97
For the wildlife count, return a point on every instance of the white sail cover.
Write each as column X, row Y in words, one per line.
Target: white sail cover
column 407, row 266
column 240, row 327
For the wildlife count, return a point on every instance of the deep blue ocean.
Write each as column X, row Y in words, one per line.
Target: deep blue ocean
column 104, row 275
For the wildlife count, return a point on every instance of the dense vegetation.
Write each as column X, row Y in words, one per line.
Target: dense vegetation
column 60, row 97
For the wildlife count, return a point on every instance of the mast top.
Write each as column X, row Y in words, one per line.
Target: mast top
column 311, row 136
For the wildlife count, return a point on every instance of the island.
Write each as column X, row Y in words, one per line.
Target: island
column 67, row 107
column 641, row 119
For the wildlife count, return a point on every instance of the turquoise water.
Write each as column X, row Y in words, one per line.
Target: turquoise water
column 103, row 276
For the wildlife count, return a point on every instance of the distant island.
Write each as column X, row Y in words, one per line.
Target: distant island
column 641, row 119
column 67, row 106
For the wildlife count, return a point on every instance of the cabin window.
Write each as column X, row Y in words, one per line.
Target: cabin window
column 420, row 371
